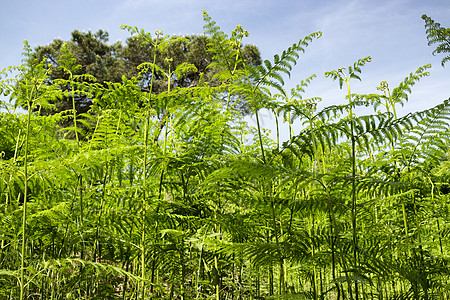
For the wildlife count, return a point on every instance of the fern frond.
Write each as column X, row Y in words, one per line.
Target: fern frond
column 341, row 75
column 430, row 131
column 436, row 34
column 399, row 94
column 282, row 64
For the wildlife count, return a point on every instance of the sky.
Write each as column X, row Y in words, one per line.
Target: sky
column 390, row 31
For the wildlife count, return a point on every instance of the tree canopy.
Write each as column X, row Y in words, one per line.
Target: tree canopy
column 91, row 54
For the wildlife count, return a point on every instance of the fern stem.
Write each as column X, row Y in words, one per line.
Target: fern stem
column 144, row 200
column 278, row 130
column 99, row 218
column 260, row 137
column 217, row 279
column 311, row 229
column 75, row 116
column 24, row 213
column 144, row 179
column 353, row 192
column 17, row 146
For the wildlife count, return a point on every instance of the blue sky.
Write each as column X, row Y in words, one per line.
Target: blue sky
column 390, row 31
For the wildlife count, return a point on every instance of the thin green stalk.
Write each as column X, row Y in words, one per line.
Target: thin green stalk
column 257, row 119
column 216, row 266
column 7, row 195
column 440, row 236
column 100, row 214
column 276, row 232
column 75, row 116
column 260, row 136
column 217, row 229
column 353, row 207
column 278, row 130
column 311, row 229
column 144, row 202
column 24, row 214
column 331, row 214
column 144, row 181
column 17, row 146
column 34, row 89
column 391, row 104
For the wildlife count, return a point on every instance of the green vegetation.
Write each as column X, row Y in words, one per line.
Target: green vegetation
column 161, row 190
column 108, row 63
column 436, row 34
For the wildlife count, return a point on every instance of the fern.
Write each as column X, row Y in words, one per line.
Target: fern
column 352, row 72
column 226, row 51
column 431, row 131
column 270, row 75
column 436, row 34
column 175, row 196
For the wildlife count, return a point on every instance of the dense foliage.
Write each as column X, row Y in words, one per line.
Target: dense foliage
column 171, row 195
column 109, row 63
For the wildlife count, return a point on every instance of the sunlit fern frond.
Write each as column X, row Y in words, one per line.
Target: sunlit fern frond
column 436, row 34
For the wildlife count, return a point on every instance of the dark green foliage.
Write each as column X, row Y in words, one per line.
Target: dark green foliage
column 91, row 54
